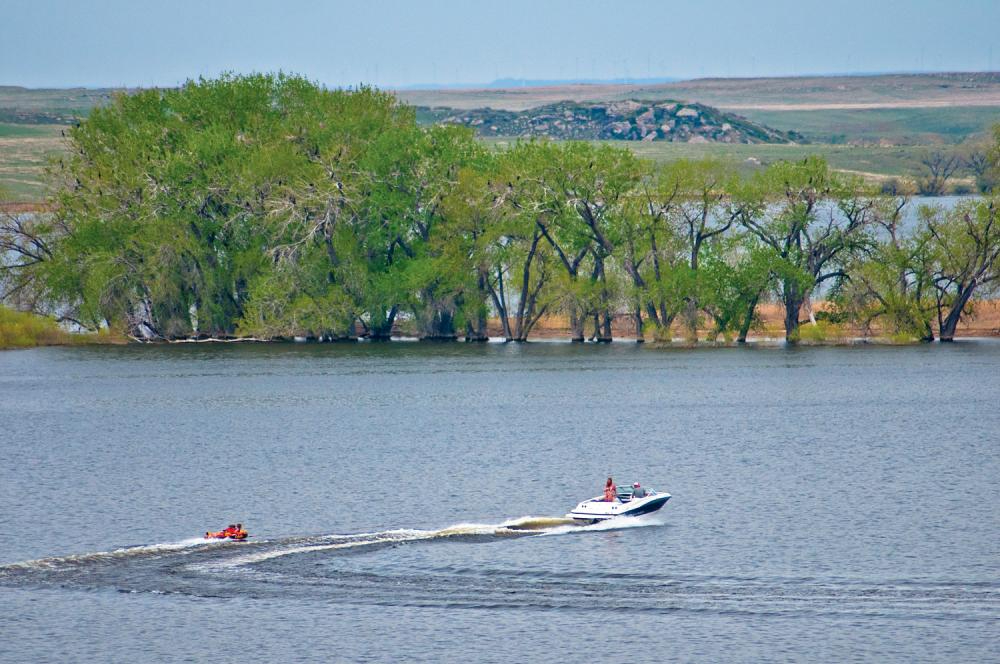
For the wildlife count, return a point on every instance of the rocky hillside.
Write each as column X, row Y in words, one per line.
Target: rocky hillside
column 617, row 120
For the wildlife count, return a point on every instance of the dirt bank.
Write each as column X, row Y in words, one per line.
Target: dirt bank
column 984, row 322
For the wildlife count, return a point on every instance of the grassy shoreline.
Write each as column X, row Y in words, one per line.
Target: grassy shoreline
column 24, row 330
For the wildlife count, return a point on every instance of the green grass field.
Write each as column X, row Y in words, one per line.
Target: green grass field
column 24, row 151
column 877, row 163
column 899, row 126
column 10, row 130
column 49, row 106
column 894, row 161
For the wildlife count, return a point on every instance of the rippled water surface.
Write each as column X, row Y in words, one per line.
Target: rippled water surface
column 406, row 502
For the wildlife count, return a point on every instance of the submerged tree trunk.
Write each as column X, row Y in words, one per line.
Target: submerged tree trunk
column 604, row 332
column 637, row 317
column 576, row 320
column 382, row 330
column 440, row 327
column 928, row 335
column 748, row 320
column 950, row 323
column 691, row 319
column 793, row 308
column 662, row 322
column 526, row 302
column 475, row 330
column 499, row 297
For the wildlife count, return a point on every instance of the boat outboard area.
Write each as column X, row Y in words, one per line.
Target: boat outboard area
column 626, row 503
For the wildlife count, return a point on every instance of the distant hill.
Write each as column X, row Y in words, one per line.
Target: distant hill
column 504, row 83
column 50, row 105
column 778, row 94
column 627, row 120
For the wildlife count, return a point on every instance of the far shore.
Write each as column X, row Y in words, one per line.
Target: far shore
column 983, row 323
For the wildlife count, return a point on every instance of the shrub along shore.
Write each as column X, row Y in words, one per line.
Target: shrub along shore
column 20, row 329
column 266, row 206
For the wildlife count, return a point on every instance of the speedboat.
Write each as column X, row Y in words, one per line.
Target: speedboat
column 626, row 504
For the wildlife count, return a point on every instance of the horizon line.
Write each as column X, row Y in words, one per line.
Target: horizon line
column 520, row 83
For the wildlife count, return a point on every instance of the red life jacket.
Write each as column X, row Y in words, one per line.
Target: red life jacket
column 610, row 493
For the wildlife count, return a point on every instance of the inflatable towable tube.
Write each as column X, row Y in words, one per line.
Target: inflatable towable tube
column 222, row 534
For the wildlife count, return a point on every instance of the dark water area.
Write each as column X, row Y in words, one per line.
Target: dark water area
column 829, row 504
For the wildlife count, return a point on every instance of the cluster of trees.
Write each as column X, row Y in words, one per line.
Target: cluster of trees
column 938, row 166
column 267, row 206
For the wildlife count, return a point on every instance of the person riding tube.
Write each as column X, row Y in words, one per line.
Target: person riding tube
column 232, row 531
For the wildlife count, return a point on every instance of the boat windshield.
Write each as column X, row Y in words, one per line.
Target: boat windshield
column 628, row 493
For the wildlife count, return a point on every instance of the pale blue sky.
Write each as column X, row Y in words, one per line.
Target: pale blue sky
column 138, row 43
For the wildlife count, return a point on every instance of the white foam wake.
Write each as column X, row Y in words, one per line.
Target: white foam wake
column 361, row 540
column 60, row 562
column 522, row 526
column 614, row 523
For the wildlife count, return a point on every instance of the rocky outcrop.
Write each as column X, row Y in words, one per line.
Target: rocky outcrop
column 627, row 120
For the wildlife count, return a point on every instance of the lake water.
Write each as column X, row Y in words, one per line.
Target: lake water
column 829, row 504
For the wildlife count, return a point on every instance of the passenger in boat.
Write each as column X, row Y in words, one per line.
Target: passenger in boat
column 638, row 491
column 610, row 491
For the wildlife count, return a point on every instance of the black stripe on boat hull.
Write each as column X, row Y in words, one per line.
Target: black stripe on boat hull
column 645, row 508
column 651, row 506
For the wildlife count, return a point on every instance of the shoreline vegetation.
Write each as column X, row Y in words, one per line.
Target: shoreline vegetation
column 26, row 330
column 21, row 330
column 267, row 207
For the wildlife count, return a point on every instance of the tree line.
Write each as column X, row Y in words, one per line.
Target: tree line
column 268, row 206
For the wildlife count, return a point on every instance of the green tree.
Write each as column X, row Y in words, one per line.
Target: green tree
column 737, row 272
column 814, row 220
column 653, row 252
column 588, row 188
column 163, row 198
column 518, row 264
column 710, row 202
column 890, row 282
column 351, row 208
column 965, row 258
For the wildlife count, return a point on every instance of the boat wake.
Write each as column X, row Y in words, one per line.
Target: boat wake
column 73, row 561
column 225, row 554
column 400, row 567
column 616, row 523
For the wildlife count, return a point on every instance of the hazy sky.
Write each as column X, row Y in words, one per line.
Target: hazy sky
column 138, row 43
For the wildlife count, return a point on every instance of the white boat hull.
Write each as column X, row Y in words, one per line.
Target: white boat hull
column 598, row 509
